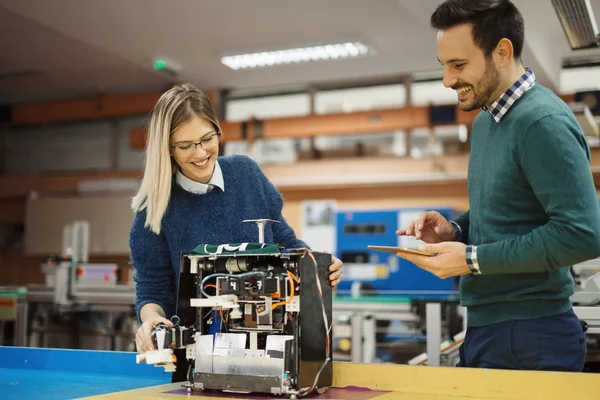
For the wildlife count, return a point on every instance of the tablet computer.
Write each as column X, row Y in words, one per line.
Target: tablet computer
column 394, row 250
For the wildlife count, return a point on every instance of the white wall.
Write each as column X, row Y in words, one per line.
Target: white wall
column 342, row 100
column 110, row 219
column 432, row 93
column 360, row 99
column 268, row 107
column 579, row 79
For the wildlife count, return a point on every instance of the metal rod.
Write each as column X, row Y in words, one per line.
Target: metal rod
column 433, row 319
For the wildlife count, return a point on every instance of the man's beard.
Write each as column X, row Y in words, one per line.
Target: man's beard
column 485, row 88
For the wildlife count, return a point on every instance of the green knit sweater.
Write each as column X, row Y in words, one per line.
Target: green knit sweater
column 533, row 210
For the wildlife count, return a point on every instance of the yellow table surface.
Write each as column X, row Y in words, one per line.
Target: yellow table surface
column 405, row 382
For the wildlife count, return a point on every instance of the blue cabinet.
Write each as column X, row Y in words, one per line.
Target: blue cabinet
column 382, row 272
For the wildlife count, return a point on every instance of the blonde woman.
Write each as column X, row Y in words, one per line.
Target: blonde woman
column 190, row 196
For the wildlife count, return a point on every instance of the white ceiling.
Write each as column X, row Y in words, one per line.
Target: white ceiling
column 64, row 48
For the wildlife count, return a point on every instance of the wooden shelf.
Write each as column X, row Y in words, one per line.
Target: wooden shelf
column 361, row 122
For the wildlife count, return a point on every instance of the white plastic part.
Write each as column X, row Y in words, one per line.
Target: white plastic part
column 140, row 358
column 294, row 305
column 194, row 265
column 226, row 302
column 160, row 338
column 236, row 313
column 190, row 351
column 159, row 356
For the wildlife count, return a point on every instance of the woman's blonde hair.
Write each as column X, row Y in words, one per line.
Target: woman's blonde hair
column 175, row 107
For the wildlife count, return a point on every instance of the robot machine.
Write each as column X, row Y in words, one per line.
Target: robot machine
column 251, row 317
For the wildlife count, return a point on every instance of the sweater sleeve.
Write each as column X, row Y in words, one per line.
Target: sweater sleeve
column 463, row 222
column 283, row 234
column 554, row 157
column 154, row 275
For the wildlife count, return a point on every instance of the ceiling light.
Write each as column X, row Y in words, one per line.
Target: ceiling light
column 578, row 22
column 295, row 55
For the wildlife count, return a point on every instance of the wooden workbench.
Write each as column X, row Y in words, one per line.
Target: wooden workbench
column 387, row 382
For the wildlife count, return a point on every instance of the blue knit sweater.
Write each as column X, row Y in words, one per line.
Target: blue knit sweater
column 214, row 218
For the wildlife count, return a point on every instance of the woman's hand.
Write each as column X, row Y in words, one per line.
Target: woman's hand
column 335, row 272
column 143, row 340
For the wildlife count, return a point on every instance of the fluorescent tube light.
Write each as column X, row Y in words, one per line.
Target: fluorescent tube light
column 578, row 22
column 295, row 56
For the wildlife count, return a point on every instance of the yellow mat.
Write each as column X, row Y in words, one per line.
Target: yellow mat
column 402, row 382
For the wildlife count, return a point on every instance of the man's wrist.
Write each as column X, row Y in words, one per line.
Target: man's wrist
column 472, row 262
column 457, row 231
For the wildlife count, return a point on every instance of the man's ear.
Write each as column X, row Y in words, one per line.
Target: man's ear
column 504, row 52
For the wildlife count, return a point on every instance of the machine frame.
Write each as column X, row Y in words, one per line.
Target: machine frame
column 274, row 317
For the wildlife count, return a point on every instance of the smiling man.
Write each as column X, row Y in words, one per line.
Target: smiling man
column 533, row 206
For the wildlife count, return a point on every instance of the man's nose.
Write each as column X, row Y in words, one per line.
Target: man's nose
column 449, row 80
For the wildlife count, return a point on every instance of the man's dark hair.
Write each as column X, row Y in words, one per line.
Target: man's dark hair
column 492, row 21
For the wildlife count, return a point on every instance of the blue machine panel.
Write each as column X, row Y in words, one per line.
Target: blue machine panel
column 383, row 272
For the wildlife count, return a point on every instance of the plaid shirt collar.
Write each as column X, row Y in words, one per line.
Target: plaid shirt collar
column 500, row 107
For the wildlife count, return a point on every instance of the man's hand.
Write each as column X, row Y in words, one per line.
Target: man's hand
column 430, row 227
column 335, row 270
column 451, row 259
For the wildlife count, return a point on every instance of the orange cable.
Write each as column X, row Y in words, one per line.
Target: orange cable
column 291, row 278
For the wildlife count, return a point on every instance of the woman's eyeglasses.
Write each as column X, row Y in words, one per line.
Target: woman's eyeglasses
column 207, row 143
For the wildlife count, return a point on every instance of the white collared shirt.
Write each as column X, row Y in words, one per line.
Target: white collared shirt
column 201, row 188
